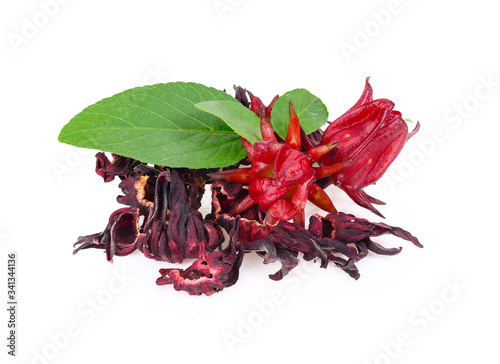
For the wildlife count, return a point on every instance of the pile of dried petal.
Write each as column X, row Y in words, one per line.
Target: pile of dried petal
column 260, row 201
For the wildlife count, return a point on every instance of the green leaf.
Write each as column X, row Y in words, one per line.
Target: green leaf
column 159, row 124
column 241, row 119
column 408, row 120
column 311, row 111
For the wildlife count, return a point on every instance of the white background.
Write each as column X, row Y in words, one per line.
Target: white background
column 431, row 58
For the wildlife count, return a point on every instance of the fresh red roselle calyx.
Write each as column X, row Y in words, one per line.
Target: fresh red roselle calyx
column 370, row 134
column 281, row 177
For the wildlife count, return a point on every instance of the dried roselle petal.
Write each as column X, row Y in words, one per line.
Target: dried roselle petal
column 266, row 248
column 348, row 229
column 228, row 195
column 211, row 272
column 224, row 196
column 195, row 280
column 186, row 231
column 292, row 237
column 254, row 213
column 267, row 240
column 165, row 233
column 213, row 233
column 330, row 244
column 139, row 193
column 201, row 233
column 153, row 242
column 241, row 95
column 288, row 260
column 339, row 238
column 177, row 223
column 119, row 237
column 377, row 248
column 381, row 228
column 118, row 167
column 195, row 186
column 173, row 231
column 348, row 266
column 283, row 241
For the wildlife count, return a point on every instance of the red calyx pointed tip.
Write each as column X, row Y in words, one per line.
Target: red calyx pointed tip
column 326, row 171
column 320, row 151
column 319, row 197
column 266, row 129
column 247, row 146
column 256, row 105
column 269, row 108
column 293, row 134
column 239, row 175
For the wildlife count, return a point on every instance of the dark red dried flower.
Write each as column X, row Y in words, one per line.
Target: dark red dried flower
column 227, row 195
column 120, row 166
column 350, row 229
column 174, row 231
column 139, row 193
column 211, row 272
column 119, row 237
column 339, row 238
column 240, row 94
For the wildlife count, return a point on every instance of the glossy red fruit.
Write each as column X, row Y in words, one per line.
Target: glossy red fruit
column 371, row 135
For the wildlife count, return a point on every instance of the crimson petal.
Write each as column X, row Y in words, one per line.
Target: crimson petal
column 211, row 272
column 379, row 249
column 350, row 229
column 119, row 237
column 118, row 167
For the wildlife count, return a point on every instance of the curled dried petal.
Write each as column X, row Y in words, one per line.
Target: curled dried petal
column 174, row 231
column 211, row 272
column 240, row 94
column 351, row 230
column 118, row 238
column 138, row 193
column 118, row 167
column 379, row 249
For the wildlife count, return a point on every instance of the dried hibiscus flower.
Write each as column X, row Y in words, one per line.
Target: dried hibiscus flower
column 119, row 237
column 119, row 166
column 259, row 196
column 211, row 272
column 339, row 238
